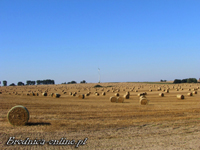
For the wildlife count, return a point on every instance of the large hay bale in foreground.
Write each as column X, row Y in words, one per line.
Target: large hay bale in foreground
column 144, row 101
column 161, row 94
column 120, row 100
column 56, row 95
column 18, row 115
column 81, row 96
column 179, row 96
column 113, row 99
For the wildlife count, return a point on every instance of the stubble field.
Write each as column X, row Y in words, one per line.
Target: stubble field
column 166, row 122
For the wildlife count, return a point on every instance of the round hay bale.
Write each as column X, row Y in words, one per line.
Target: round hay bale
column 27, row 94
column 51, row 94
column 189, row 89
column 150, row 90
column 116, row 94
column 194, row 92
column 113, row 99
column 97, row 94
column 87, row 94
column 56, row 95
column 180, row 96
column 44, row 94
column 81, row 96
column 167, row 91
column 73, row 94
column 18, row 115
column 0, row 92
column 161, row 94
column 70, row 93
column 136, row 90
column 189, row 94
column 126, row 96
column 128, row 93
column 120, row 100
column 144, row 101
column 103, row 93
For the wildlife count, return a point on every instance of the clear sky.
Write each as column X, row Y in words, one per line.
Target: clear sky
column 129, row 40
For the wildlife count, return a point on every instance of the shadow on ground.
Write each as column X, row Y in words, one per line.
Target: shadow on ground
column 37, row 123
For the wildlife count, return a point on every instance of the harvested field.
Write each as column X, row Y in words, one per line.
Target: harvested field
column 107, row 125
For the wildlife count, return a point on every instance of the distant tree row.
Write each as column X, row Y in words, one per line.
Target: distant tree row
column 163, row 80
column 188, row 80
column 29, row 82
column 74, row 82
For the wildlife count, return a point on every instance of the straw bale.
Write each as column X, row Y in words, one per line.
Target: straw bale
column 81, row 96
column 44, row 94
column 144, row 101
column 120, row 100
column 189, row 94
column 116, row 94
column 97, row 94
column 194, row 92
column 150, row 90
column 180, row 96
column 126, row 96
column 161, row 94
column 70, row 93
column 136, row 90
column 103, row 93
column 18, row 115
column 113, row 99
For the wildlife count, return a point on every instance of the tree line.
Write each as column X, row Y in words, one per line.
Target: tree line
column 74, row 82
column 29, row 82
column 188, row 80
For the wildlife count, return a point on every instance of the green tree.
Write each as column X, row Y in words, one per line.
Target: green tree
column 177, row 81
column 20, row 83
column 12, row 84
column 4, row 83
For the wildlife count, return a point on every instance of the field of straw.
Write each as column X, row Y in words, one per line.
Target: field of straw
column 167, row 121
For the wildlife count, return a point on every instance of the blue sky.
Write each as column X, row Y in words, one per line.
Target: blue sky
column 129, row 40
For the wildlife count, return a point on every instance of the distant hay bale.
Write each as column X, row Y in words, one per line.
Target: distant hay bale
column 81, row 96
column 37, row 94
column 51, row 94
column 73, row 94
column 189, row 89
column 161, row 94
column 87, row 94
column 103, row 93
column 97, row 94
column 189, row 94
column 116, row 94
column 70, row 93
column 167, row 91
column 144, row 101
column 18, row 115
column 0, row 92
column 44, row 94
column 180, row 96
column 120, row 100
column 177, row 89
column 32, row 94
column 150, row 90
column 27, row 94
column 126, row 96
column 194, row 92
column 128, row 93
column 113, row 99
column 56, row 95
column 136, row 90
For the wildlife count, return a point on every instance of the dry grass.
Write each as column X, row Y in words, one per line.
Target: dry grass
column 68, row 113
